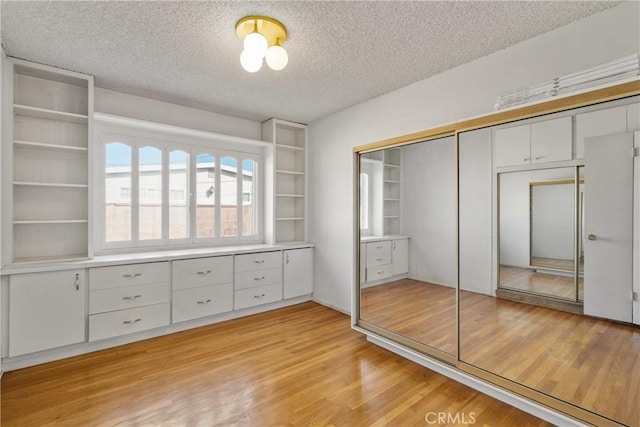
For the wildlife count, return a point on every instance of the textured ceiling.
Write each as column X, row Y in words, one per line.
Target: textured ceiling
column 340, row 53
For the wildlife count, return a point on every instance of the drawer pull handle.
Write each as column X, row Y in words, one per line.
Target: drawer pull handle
column 204, row 302
column 130, row 322
column 132, row 298
column 258, row 278
column 378, row 247
column 261, row 261
column 204, row 273
column 132, row 276
column 258, row 296
column 380, row 273
column 539, row 157
column 379, row 259
column 77, row 283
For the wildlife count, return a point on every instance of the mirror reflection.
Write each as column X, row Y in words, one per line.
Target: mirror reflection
column 547, row 272
column 408, row 246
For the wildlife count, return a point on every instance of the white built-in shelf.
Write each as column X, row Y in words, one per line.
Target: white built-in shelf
column 56, row 258
column 289, row 147
column 40, row 145
column 288, row 172
column 289, row 195
column 48, row 184
column 43, row 113
column 51, row 221
column 391, row 216
column 391, row 181
column 290, row 219
column 389, row 165
column 391, row 200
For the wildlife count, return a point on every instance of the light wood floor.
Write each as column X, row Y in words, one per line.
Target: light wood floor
column 298, row 366
column 525, row 279
column 418, row 310
column 589, row 362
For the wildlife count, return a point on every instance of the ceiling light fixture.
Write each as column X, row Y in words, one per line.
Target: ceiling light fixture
column 262, row 38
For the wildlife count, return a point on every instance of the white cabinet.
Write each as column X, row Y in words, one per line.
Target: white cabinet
column 289, row 180
column 541, row 142
column 258, row 279
column 633, row 117
column 391, row 190
column 598, row 123
column 200, row 302
column 298, row 272
column 378, row 253
column 51, row 135
column 512, row 146
column 124, row 299
column 199, row 272
column 400, row 256
column 46, row 310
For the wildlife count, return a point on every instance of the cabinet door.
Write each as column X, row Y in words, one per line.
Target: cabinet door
column 633, row 117
column 298, row 272
column 512, row 146
column 598, row 123
column 400, row 256
column 46, row 310
column 551, row 140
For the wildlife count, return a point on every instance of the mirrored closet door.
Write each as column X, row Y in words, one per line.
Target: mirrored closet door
column 408, row 243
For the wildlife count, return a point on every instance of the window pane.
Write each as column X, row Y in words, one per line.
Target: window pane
column 117, row 192
column 249, row 217
column 229, row 196
column 206, row 195
column 178, row 195
column 150, row 193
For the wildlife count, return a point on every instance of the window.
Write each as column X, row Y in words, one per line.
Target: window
column 159, row 193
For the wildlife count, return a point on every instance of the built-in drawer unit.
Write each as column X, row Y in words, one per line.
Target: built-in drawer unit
column 200, row 302
column 256, row 296
column 258, row 261
column 122, row 322
column 258, row 279
column 201, row 287
column 199, row 272
column 128, row 275
column 378, row 253
column 379, row 272
column 251, row 279
column 127, row 297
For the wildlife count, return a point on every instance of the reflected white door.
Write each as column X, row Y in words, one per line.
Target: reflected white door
column 608, row 243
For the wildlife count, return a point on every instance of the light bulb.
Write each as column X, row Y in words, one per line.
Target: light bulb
column 249, row 62
column 277, row 58
column 256, row 45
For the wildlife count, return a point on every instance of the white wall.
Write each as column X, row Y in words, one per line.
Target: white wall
column 467, row 90
column 136, row 107
column 553, row 221
column 515, row 213
column 429, row 210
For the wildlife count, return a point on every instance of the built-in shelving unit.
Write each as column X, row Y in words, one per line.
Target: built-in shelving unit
column 391, row 192
column 49, row 147
column 289, row 179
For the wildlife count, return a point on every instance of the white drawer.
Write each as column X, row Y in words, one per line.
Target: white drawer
column 252, row 279
column 379, row 272
column 127, row 275
column 258, row 261
column 199, row 272
column 200, row 302
column 122, row 322
column 127, row 297
column 378, row 253
column 256, row 296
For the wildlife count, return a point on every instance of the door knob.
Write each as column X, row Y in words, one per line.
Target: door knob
column 591, row 237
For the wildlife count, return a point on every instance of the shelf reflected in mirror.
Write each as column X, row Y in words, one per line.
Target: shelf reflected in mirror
column 408, row 243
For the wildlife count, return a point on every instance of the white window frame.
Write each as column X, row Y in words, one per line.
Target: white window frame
column 217, row 146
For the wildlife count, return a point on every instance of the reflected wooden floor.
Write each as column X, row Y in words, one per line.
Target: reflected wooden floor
column 525, row 279
column 298, row 366
column 418, row 310
column 589, row 362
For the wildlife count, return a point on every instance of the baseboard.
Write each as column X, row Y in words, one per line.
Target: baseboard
column 540, row 301
column 19, row 362
column 502, row 395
